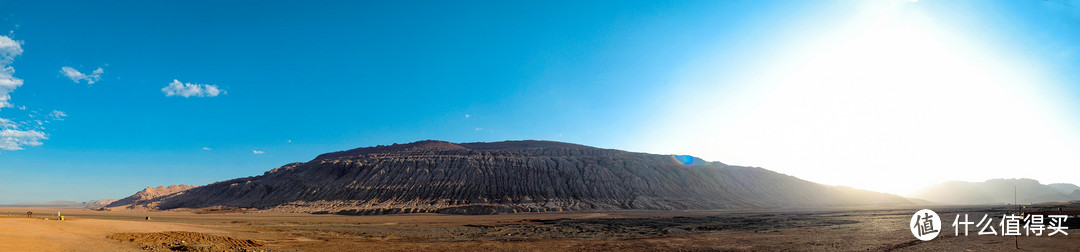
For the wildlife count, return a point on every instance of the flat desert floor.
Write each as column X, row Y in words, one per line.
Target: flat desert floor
column 798, row 230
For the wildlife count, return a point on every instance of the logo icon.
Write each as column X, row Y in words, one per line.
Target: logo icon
column 925, row 224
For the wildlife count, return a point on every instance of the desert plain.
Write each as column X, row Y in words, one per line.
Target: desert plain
column 847, row 229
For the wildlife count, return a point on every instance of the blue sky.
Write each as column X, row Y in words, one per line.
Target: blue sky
column 297, row 79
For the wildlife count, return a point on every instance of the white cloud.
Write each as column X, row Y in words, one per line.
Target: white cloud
column 206, row 148
column 58, row 115
column 191, row 89
column 257, row 152
column 11, row 139
column 77, row 76
column 9, row 49
column 466, row 115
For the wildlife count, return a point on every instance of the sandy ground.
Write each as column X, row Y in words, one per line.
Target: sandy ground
column 18, row 233
column 817, row 230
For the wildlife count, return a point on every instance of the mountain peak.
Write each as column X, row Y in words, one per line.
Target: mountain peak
column 419, row 145
column 523, row 144
column 438, row 145
column 1014, row 180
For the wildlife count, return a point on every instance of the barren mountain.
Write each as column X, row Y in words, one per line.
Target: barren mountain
column 94, row 204
column 1065, row 188
column 512, row 176
column 997, row 191
column 147, row 197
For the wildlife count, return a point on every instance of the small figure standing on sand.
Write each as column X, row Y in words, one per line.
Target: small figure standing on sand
column 147, row 217
column 29, row 214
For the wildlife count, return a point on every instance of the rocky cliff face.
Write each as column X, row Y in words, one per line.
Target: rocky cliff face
column 149, row 196
column 513, row 176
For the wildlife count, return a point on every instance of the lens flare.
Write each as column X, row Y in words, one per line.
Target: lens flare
column 686, row 160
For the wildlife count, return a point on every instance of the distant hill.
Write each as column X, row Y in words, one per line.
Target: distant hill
column 1064, row 187
column 511, row 176
column 997, row 191
column 148, row 195
column 65, row 204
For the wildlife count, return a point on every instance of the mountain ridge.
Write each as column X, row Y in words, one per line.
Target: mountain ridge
column 997, row 191
column 149, row 194
column 506, row 177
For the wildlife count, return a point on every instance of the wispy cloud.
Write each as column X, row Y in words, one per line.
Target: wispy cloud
column 176, row 88
column 12, row 139
column 9, row 49
column 206, row 148
column 77, row 76
column 58, row 115
column 14, row 135
column 256, row 152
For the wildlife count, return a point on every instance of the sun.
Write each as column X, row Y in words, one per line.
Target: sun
column 890, row 101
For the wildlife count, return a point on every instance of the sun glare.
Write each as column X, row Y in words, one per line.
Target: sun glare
column 892, row 103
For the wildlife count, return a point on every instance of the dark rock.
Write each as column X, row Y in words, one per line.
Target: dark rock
column 508, row 177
